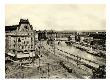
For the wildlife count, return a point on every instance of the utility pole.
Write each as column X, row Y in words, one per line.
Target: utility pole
column 77, row 61
column 39, row 60
column 48, row 70
column 54, row 42
column 39, row 54
column 54, row 46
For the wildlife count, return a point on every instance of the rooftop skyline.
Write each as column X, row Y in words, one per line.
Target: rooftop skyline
column 58, row 17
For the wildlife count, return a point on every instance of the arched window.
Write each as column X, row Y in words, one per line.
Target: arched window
column 25, row 27
column 19, row 40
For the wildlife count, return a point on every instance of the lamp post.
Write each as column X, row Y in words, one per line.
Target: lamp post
column 39, row 57
column 77, row 60
column 48, row 70
column 54, row 42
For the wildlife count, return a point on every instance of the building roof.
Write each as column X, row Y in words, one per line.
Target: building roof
column 11, row 28
column 14, row 27
column 24, row 21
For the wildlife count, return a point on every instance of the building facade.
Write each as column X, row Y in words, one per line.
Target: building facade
column 20, row 40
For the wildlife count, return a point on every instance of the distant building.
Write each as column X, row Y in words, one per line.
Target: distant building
column 86, row 39
column 77, row 37
column 71, row 38
column 63, row 35
column 51, row 35
column 96, row 40
column 41, row 35
column 20, row 40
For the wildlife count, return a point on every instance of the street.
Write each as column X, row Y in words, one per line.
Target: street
column 48, row 64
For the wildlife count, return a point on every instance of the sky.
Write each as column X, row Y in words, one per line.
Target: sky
column 58, row 16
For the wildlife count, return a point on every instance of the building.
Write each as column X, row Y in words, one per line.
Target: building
column 41, row 35
column 20, row 40
column 71, row 38
column 86, row 39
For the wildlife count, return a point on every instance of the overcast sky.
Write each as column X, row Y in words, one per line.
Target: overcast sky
column 58, row 17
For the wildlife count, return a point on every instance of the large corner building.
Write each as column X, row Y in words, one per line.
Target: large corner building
column 20, row 40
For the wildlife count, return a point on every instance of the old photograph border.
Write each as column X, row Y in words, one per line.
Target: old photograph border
column 2, row 36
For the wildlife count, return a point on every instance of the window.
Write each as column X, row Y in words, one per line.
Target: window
column 31, row 46
column 22, row 47
column 14, row 41
column 31, row 39
column 27, row 42
column 14, row 51
column 25, row 27
column 14, row 45
column 19, row 40
column 28, row 46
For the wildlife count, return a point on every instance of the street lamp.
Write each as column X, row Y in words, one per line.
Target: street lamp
column 48, row 70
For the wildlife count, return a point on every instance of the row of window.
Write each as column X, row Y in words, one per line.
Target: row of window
column 25, row 47
column 20, row 39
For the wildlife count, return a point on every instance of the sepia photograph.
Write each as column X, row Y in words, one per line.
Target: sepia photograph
column 55, row 41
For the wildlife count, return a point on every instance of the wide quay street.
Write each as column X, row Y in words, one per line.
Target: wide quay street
column 71, row 57
column 56, row 60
